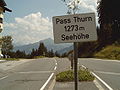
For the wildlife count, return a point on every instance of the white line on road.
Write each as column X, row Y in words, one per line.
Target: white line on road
column 56, row 64
column 106, row 60
column 102, row 81
column 98, row 85
column 112, row 73
column 55, row 68
column 55, row 61
column 43, row 87
column 32, row 72
column 83, row 66
column 3, row 77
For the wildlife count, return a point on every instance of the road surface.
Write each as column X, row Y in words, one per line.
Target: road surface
column 31, row 75
column 34, row 75
column 107, row 70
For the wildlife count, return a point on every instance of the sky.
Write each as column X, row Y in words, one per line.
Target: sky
column 31, row 20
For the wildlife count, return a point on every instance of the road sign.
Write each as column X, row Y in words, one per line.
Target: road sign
column 74, row 28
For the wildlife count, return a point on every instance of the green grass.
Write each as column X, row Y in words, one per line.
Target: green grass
column 39, row 57
column 68, row 76
column 10, row 59
column 109, row 52
column 65, row 76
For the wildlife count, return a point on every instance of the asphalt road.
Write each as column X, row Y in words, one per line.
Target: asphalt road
column 31, row 75
column 107, row 70
column 34, row 74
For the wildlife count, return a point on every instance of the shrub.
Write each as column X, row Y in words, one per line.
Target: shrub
column 83, row 75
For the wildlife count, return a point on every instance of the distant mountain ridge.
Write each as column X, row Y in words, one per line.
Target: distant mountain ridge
column 64, row 50
column 49, row 43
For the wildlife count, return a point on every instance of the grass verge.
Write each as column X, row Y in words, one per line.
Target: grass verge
column 39, row 57
column 109, row 52
column 10, row 59
column 68, row 76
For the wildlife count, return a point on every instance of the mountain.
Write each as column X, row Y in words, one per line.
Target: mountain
column 49, row 43
column 64, row 50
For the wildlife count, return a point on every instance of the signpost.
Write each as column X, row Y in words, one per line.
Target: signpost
column 72, row 29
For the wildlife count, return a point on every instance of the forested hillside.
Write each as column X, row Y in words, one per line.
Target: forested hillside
column 108, row 32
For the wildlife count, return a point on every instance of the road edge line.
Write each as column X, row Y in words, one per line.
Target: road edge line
column 51, row 86
column 98, row 85
column 3, row 77
column 103, row 82
column 43, row 87
column 46, row 83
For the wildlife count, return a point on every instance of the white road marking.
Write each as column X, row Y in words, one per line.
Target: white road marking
column 56, row 64
column 112, row 73
column 3, row 77
column 31, row 72
column 105, row 60
column 98, row 85
column 55, row 68
column 102, row 81
column 83, row 66
column 43, row 87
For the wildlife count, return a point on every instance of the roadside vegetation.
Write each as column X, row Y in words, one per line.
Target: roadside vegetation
column 68, row 76
column 109, row 52
column 9, row 54
column 39, row 57
column 10, row 59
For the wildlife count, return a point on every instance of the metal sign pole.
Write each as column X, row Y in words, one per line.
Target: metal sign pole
column 76, row 65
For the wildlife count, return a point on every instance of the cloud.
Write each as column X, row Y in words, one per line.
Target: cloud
column 30, row 28
column 84, row 5
column 34, row 27
column 87, row 6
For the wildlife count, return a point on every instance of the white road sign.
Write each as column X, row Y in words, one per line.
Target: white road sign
column 74, row 28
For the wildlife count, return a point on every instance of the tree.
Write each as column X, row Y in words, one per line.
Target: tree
column 42, row 50
column 64, row 55
column 51, row 53
column 33, row 53
column 20, row 54
column 107, row 11
column 72, row 5
column 109, row 20
column 57, row 54
column 7, row 44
